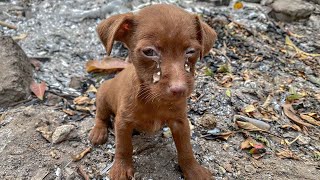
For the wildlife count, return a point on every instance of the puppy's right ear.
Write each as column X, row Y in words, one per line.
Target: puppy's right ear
column 115, row 28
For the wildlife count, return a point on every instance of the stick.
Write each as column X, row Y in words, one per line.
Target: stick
column 7, row 25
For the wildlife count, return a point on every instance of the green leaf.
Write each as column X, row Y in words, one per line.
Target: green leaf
column 228, row 92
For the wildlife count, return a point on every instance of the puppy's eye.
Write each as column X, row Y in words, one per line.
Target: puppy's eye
column 150, row 52
column 190, row 52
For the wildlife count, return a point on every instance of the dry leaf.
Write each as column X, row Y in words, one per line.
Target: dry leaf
column 267, row 101
column 44, row 130
column 107, row 65
column 310, row 119
column 287, row 154
column 293, row 126
column 79, row 156
column 289, row 112
column 249, row 108
column 69, row 112
column 248, row 143
column 247, row 126
column 38, row 89
column 224, row 136
column 92, row 89
column 36, row 64
column 20, row 37
column 299, row 52
column 238, row 5
column 82, row 100
column 83, row 108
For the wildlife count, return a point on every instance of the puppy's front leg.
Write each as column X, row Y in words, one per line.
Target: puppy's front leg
column 190, row 167
column 122, row 167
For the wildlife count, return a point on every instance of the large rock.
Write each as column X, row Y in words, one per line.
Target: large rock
column 291, row 10
column 315, row 1
column 15, row 72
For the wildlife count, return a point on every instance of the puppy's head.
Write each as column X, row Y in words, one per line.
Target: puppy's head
column 164, row 44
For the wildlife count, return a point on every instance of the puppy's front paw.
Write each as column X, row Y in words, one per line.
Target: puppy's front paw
column 98, row 135
column 121, row 170
column 197, row 172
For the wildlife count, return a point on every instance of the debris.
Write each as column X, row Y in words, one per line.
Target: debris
column 287, row 154
column 290, row 113
column 79, row 156
column 82, row 100
column 4, row 24
column 41, row 174
column 38, row 89
column 249, row 108
column 299, row 52
column 223, row 136
column 247, row 126
column 20, row 37
column 92, row 89
column 107, row 65
column 61, row 133
column 167, row 133
column 45, row 132
column 310, row 119
column 247, row 121
column 228, row 92
column 207, row 121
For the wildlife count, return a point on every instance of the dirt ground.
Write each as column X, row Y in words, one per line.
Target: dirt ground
column 251, row 71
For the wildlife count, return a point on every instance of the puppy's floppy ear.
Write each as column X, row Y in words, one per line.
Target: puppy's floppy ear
column 205, row 35
column 115, row 28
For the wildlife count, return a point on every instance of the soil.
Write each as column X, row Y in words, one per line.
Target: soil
column 248, row 64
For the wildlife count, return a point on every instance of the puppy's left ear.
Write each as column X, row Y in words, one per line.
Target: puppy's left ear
column 115, row 28
column 205, row 35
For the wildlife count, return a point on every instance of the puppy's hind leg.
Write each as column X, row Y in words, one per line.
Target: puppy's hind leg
column 99, row 133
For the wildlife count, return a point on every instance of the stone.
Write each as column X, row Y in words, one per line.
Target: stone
column 291, row 10
column 266, row 2
column 315, row 1
column 15, row 72
column 62, row 133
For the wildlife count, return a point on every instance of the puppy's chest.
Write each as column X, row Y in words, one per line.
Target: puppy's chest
column 150, row 121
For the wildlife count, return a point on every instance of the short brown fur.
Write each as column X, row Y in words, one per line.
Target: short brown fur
column 139, row 103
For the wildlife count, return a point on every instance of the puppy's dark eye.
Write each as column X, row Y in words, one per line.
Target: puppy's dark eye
column 150, row 52
column 190, row 52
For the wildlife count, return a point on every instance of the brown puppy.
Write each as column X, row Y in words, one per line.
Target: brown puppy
column 164, row 43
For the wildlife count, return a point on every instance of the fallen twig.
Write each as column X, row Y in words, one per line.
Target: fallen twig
column 7, row 25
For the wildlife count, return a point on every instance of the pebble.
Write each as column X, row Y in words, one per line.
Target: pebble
column 61, row 133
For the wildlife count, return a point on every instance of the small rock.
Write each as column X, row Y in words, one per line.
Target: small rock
column 222, row 170
column 266, row 2
column 55, row 154
column 250, row 168
column 315, row 1
column 227, row 167
column 15, row 72
column 61, row 133
column 41, row 174
column 75, row 82
column 291, row 10
column 208, row 121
